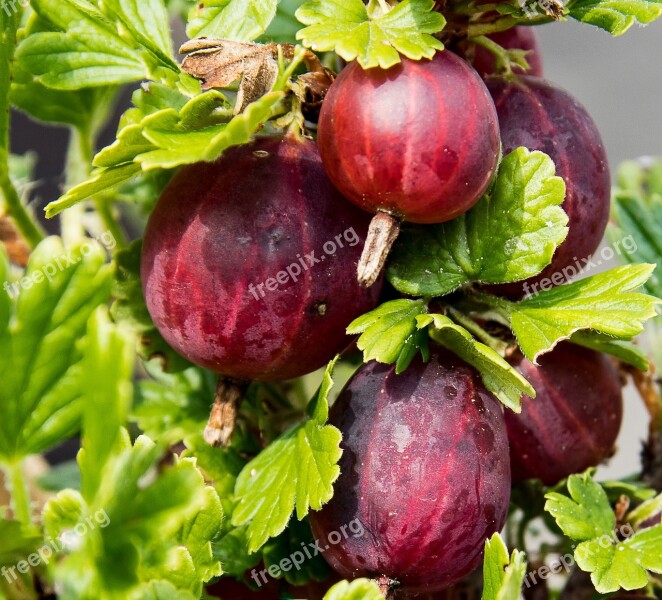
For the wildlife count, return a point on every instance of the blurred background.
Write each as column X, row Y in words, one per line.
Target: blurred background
column 619, row 80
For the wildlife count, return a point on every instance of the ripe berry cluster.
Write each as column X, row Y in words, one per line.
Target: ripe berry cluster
column 426, row 466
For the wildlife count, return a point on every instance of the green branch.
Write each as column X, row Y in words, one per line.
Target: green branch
column 17, row 486
column 11, row 200
column 474, row 328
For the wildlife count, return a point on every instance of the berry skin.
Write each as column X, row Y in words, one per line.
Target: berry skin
column 517, row 38
column 541, row 116
column 424, row 469
column 221, row 235
column 419, row 141
column 573, row 422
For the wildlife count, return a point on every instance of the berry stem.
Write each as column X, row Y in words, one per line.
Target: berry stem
column 20, row 498
column 10, row 200
column 501, row 305
column 79, row 158
column 470, row 325
column 29, row 229
column 384, row 230
column 501, row 55
column 386, row 587
column 502, row 24
column 223, row 417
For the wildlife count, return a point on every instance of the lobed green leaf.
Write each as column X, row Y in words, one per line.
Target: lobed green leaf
column 80, row 59
column 239, row 20
column 43, row 386
column 389, row 334
column 622, row 565
column 356, row 31
column 359, row 589
column 615, row 16
column 502, row 575
column 510, row 235
column 499, row 377
column 108, row 367
column 586, row 514
column 297, row 470
column 605, row 303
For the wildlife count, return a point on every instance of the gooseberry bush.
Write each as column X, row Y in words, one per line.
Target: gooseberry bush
column 322, row 320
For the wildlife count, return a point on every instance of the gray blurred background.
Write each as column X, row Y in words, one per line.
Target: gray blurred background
column 619, row 80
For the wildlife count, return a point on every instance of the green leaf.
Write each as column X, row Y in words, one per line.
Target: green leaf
column 198, row 533
column 129, row 307
column 645, row 511
column 148, row 23
column 42, row 390
column 615, row 16
column 63, row 512
column 240, row 20
column 173, row 408
column 637, row 211
column 222, row 466
column 389, row 334
column 163, row 134
column 78, row 108
column 510, row 235
column 17, row 542
column 108, row 367
column 587, row 514
column 622, row 565
column 163, row 590
column 101, row 180
column 5, row 299
column 297, row 470
column 80, row 59
column 130, row 310
column 137, row 501
column 154, row 104
column 359, row 589
column 9, row 22
column 9, row 197
column 231, row 548
column 631, row 487
column 63, row 14
column 299, row 569
column 318, row 409
column 624, row 351
column 356, row 31
column 604, row 303
column 175, row 146
column 502, row 576
column 284, row 27
column 22, row 169
column 499, row 377
column 123, row 40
